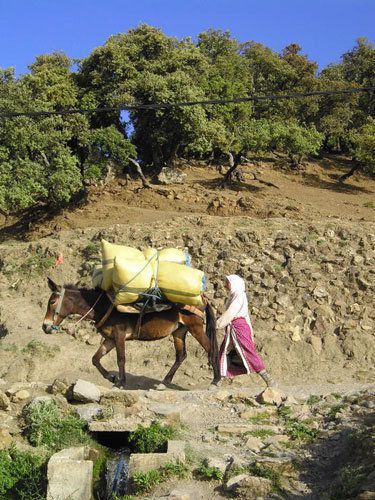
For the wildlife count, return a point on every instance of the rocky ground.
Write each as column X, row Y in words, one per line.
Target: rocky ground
column 309, row 270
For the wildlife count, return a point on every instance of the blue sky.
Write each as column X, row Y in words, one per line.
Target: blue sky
column 324, row 28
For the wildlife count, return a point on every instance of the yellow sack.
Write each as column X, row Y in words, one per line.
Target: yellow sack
column 109, row 252
column 181, row 284
column 165, row 255
column 97, row 277
column 130, row 278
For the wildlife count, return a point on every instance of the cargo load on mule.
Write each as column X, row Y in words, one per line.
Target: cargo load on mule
column 148, row 280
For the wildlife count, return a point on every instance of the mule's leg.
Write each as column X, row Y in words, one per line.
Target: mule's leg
column 120, row 350
column 106, row 346
column 197, row 331
column 179, row 337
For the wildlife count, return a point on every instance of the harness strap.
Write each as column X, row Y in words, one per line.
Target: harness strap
column 59, row 304
column 106, row 316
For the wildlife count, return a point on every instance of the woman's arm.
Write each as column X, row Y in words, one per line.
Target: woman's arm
column 226, row 318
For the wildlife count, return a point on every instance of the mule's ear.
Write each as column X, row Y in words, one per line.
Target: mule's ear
column 52, row 285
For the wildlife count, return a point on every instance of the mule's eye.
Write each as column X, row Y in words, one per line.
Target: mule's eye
column 52, row 302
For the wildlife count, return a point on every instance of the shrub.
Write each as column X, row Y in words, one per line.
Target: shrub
column 46, row 427
column 299, row 431
column 151, row 439
column 209, row 473
column 145, row 481
column 22, row 475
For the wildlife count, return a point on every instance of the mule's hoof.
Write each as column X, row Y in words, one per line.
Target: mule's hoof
column 112, row 378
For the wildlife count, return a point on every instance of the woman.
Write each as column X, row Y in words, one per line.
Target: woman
column 237, row 351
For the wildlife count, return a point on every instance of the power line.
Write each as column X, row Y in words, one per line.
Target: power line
column 167, row 105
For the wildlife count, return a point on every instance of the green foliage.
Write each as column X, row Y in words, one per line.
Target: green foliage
column 22, row 475
column 349, row 483
column 313, row 400
column 35, row 264
column 260, row 433
column 268, row 473
column 146, row 481
column 260, row 418
column 363, row 145
column 332, row 414
column 299, row 431
column 284, row 411
column 45, row 426
column 151, row 439
column 209, row 473
column 38, row 348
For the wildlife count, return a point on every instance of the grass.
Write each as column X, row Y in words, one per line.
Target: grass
column 284, row 412
column 45, row 426
column 369, row 204
column 268, row 473
column 23, row 475
column 143, row 482
column 260, row 418
column 151, row 439
column 38, row 348
column 8, row 347
column 299, row 431
column 313, row 400
column 92, row 251
column 209, row 473
column 35, row 264
column 349, row 483
column 260, row 433
column 332, row 414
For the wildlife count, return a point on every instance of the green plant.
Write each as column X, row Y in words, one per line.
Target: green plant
column 145, row 481
column 22, row 475
column 332, row 414
column 177, row 469
column 268, row 473
column 151, row 439
column 260, row 418
column 46, row 427
column 299, row 431
column 209, row 473
column 8, row 347
column 313, row 399
column 38, row 348
column 369, row 204
column 91, row 251
column 348, row 484
column 284, row 412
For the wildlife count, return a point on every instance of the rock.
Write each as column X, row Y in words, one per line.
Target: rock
column 5, row 439
column 144, row 462
column 249, row 487
column 234, row 428
column 85, row 392
column 70, row 475
column 4, row 401
column 320, row 292
column 20, row 396
column 296, row 336
column 17, row 387
column 169, row 413
column 59, row 386
column 254, row 444
column 126, row 398
column 215, row 462
column 316, row 343
column 89, row 411
column 171, row 176
column 271, row 396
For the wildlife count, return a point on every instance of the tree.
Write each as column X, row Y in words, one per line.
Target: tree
column 363, row 147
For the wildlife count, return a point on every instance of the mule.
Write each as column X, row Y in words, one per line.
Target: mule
column 116, row 328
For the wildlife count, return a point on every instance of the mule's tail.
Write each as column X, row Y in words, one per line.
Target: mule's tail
column 212, row 335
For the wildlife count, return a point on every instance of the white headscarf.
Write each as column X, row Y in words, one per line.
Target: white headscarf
column 236, row 306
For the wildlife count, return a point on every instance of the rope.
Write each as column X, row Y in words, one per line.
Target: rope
column 167, row 105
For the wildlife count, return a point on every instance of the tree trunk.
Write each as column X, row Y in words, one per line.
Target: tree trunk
column 233, row 164
column 139, row 171
column 354, row 169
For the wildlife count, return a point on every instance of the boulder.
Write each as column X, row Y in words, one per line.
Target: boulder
column 126, row 398
column 254, row 444
column 249, row 487
column 85, row 392
column 20, row 396
column 170, row 175
column 89, row 411
column 4, row 401
column 271, row 396
column 5, row 439
column 70, row 475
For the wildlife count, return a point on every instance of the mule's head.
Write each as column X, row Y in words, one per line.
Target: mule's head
column 58, row 308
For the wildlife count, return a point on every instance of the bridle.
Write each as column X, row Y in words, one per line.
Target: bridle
column 56, row 313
